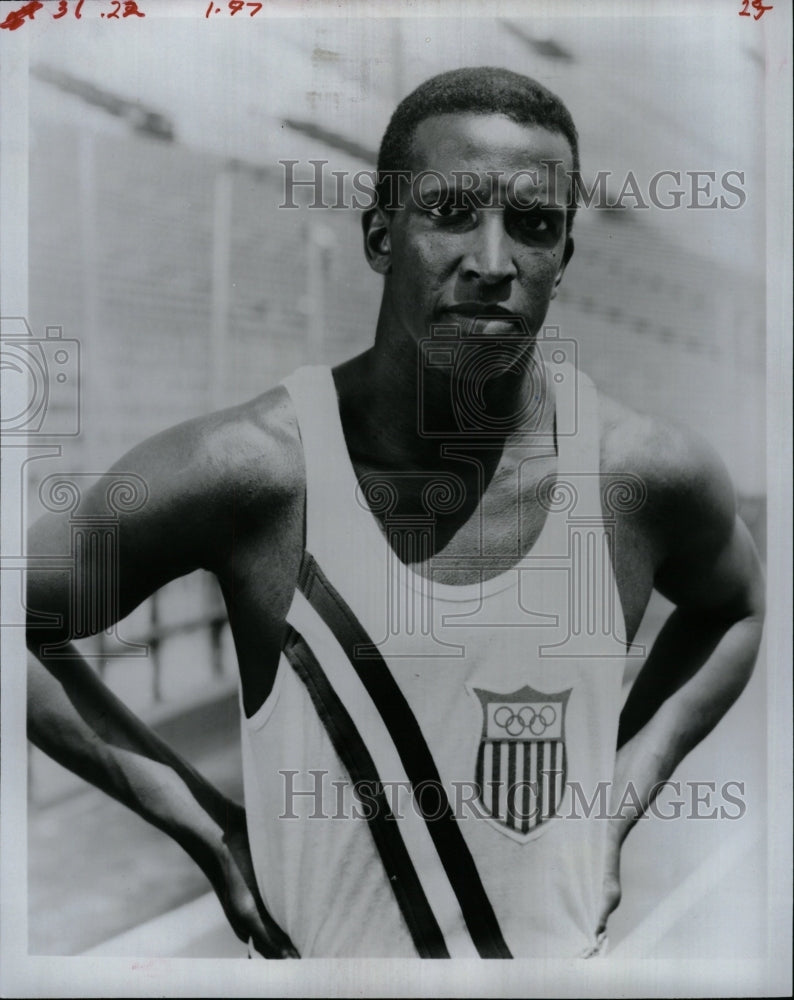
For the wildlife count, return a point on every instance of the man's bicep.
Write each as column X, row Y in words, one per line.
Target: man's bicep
column 719, row 576
column 706, row 560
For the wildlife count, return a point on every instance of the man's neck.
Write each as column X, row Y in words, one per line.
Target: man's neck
column 404, row 407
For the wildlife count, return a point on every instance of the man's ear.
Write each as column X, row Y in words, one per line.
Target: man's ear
column 566, row 256
column 377, row 240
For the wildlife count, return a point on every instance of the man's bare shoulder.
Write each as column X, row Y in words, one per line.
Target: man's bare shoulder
column 251, row 453
column 214, row 479
column 685, row 488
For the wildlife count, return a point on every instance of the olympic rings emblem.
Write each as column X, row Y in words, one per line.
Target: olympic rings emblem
column 516, row 723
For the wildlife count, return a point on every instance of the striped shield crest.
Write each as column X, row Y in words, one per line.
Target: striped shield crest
column 521, row 761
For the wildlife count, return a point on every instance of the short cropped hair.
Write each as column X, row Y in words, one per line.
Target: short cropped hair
column 479, row 90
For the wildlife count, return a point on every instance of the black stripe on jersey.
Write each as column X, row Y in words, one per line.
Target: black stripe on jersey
column 496, row 780
column 353, row 753
column 541, row 779
column 528, row 777
column 414, row 753
column 511, row 785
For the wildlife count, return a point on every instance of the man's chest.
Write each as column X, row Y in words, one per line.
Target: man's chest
column 459, row 530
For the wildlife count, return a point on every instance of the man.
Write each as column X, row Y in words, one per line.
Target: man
column 430, row 640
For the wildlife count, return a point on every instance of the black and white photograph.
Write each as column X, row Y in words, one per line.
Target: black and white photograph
column 396, row 468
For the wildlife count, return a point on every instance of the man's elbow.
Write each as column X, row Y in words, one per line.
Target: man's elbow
column 752, row 606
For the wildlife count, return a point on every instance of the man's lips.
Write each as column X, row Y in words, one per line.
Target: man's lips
column 481, row 310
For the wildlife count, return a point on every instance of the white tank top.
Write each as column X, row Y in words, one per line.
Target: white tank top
column 418, row 781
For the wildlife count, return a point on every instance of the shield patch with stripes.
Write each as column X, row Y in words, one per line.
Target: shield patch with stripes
column 521, row 761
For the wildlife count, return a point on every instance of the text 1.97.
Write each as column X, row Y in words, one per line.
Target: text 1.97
column 234, row 7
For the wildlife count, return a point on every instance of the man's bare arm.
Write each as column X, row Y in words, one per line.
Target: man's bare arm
column 72, row 716
column 704, row 655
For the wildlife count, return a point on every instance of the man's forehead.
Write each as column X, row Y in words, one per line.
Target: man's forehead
column 486, row 142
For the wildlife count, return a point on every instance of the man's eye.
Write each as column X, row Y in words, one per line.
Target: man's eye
column 535, row 223
column 449, row 210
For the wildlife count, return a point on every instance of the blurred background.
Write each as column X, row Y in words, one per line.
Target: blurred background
column 157, row 243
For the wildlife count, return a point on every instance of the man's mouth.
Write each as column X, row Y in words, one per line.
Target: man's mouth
column 481, row 310
column 482, row 315
column 488, row 310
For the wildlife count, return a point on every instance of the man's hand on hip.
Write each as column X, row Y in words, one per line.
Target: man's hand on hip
column 235, row 886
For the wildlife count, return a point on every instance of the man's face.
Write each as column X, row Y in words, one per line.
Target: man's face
column 495, row 246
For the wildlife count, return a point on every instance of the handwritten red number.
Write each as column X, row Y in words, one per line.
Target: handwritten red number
column 235, row 7
column 115, row 13
column 63, row 9
column 131, row 8
column 758, row 6
column 17, row 17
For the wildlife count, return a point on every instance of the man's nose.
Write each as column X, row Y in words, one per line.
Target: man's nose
column 489, row 257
